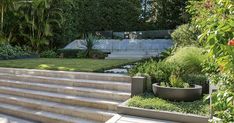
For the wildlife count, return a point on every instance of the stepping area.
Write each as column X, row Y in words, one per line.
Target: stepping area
column 9, row 119
column 61, row 97
column 135, row 119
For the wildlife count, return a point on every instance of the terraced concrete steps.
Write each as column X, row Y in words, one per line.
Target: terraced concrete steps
column 107, row 85
column 42, row 116
column 77, row 111
column 70, row 75
column 76, row 91
column 61, row 97
column 10, row 119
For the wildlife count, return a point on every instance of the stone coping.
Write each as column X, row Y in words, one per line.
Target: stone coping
column 163, row 115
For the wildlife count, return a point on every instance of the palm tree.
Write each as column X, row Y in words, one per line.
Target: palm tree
column 4, row 6
column 39, row 17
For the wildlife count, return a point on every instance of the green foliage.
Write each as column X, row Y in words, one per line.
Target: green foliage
column 98, row 15
column 31, row 23
column 9, row 52
column 68, row 53
column 175, row 70
column 81, row 65
column 176, row 81
column 168, row 52
column 159, row 72
column 216, row 22
column 166, row 13
column 149, row 101
column 48, row 54
column 198, row 79
column 189, row 58
column 94, row 54
column 89, row 44
column 185, row 35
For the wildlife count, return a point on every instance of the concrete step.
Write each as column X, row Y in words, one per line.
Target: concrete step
column 135, row 53
column 10, row 119
column 70, row 75
column 132, row 55
column 62, row 98
column 124, row 57
column 41, row 116
column 76, row 91
column 106, row 85
column 76, row 111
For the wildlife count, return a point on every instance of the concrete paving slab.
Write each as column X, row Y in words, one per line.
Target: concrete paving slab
column 10, row 119
column 135, row 119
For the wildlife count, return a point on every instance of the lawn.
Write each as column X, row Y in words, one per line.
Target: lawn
column 149, row 101
column 84, row 65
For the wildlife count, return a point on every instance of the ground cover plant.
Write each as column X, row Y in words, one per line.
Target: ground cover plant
column 149, row 101
column 84, row 65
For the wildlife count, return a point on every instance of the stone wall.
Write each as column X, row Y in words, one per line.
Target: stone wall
column 110, row 45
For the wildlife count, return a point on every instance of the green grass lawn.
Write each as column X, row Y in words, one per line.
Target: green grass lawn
column 84, row 65
column 149, row 101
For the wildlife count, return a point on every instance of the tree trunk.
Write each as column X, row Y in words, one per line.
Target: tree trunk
column 2, row 18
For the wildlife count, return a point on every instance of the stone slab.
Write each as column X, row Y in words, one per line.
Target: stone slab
column 135, row 119
column 10, row 119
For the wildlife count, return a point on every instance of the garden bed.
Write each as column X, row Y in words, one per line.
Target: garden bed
column 153, row 107
column 81, row 65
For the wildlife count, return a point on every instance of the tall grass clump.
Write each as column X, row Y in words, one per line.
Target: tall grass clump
column 189, row 58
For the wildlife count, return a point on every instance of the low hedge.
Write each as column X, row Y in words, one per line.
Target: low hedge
column 14, row 52
column 68, row 53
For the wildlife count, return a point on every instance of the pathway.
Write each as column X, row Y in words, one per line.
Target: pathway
column 10, row 119
column 135, row 119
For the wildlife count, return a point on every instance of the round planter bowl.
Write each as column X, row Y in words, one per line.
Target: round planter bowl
column 178, row 94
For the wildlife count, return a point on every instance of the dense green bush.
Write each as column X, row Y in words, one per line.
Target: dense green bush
column 166, row 13
column 68, row 53
column 48, row 54
column 158, row 71
column 185, row 35
column 189, row 58
column 198, row 79
column 12, row 52
column 214, row 18
column 94, row 54
column 175, row 70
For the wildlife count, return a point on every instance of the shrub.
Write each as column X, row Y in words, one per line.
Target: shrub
column 168, row 52
column 48, row 54
column 12, row 52
column 68, row 53
column 173, row 72
column 89, row 44
column 158, row 71
column 198, row 79
column 189, row 58
column 185, row 35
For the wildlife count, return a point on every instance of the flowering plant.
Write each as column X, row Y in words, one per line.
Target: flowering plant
column 214, row 18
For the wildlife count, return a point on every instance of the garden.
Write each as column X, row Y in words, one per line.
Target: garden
column 202, row 55
column 34, row 33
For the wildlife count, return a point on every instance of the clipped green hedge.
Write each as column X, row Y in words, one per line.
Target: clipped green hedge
column 68, row 53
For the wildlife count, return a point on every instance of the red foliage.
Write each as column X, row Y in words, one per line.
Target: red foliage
column 231, row 42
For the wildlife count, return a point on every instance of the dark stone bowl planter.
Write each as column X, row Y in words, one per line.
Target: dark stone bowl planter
column 178, row 94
